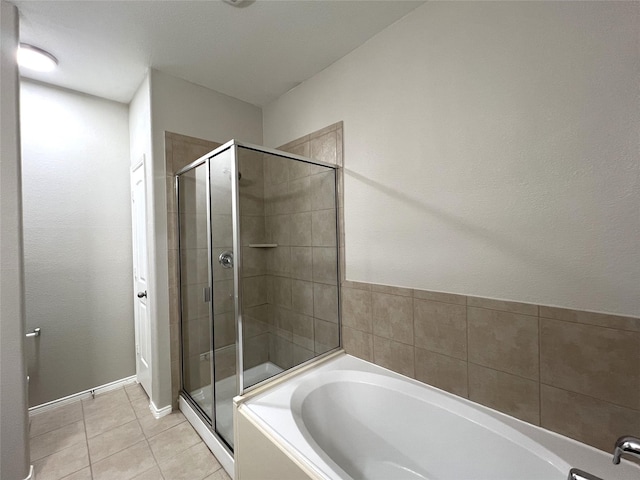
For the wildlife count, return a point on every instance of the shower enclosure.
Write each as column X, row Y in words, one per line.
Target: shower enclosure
column 259, row 279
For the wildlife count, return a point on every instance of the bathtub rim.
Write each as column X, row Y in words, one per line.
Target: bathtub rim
column 572, row 452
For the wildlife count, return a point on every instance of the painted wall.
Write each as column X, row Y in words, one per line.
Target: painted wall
column 490, row 150
column 77, row 234
column 188, row 109
column 14, row 437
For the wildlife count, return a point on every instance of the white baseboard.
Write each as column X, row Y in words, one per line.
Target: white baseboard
column 159, row 412
column 31, row 475
column 81, row 395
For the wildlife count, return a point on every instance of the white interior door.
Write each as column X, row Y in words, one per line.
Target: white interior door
column 140, row 277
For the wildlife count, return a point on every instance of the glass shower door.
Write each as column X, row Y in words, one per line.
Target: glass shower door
column 224, row 267
column 194, row 283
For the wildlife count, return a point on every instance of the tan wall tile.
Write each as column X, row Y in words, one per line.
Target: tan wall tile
column 301, row 263
column 395, row 356
column 502, row 305
column 301, row 229
column 503, row 341
column 393, row 317
column 322, row 191
column 440, row 327
column 357, row 309
column 325, row 302
column 252, row 229
column 440, row 297
column 507, row 393
column 356, row 285
column 325, row 130
column 596, row 361
column 302, row 297
column 302, row 329
column 441, row 371
column 586, row 419
column 591, row 318
column 326, row 335
column 358, row 343
column 323, row 227
column 324, row 265
column 401, row 291
column 324, row 147
column 299, row 196
column 278, row 229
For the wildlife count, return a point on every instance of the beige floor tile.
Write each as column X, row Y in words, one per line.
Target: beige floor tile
column 141, row 407
column 62, row 463
column 115, row 440
column 153, row 426
column 126, row 464
column 105, row 420
column 56, row 418
column 135, row 391
column 195, row 463
column 152, row 474
column 105, row 401
column 84, row 474
column 220, row 474
column 173, row 441
column 57, row 440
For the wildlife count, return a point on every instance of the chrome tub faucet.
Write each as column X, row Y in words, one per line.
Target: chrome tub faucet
column 626, row 446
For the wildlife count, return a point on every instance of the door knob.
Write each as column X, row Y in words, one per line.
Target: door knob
column 142, row 294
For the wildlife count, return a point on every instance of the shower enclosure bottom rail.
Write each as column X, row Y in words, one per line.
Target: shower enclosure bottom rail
column 217, row 447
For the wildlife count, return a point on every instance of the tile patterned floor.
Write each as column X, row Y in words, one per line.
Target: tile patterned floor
column 115, row 437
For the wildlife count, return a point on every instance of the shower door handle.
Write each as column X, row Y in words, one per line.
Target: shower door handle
column 226, row 259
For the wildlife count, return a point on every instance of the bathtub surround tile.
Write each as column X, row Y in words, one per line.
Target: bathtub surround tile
column 507, row 393
column 300, row 232
column 357, row 343
column 323, row 147
column 356, row 285
column 56, row 440
column 502, row 305
column 504, row 341
column 586, row 419
column 322, row 189
column 440, row 297
column 62, row 463
column 400, row 291
column 442, row 371
column 392, row 317
column 591, row 318
column 357, row 309
column 591, row 360
column 395, row 356
column 441, row 328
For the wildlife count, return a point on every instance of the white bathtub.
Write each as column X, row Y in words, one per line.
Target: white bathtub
column 350, row 419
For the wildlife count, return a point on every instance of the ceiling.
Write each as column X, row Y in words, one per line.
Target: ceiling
column 255, row 52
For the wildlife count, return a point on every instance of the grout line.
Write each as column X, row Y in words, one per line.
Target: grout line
column 539, row 370
column 466, row 322
column 86, row 439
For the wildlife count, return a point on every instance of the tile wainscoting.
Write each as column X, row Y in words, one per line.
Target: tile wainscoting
column 573, row 372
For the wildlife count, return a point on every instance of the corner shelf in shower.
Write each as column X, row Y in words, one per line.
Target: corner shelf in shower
column 263, row 245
